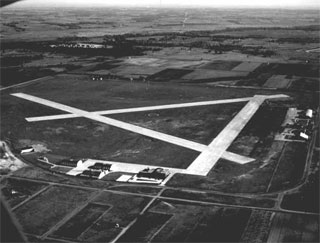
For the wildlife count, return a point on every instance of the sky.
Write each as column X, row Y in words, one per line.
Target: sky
column 182, row 3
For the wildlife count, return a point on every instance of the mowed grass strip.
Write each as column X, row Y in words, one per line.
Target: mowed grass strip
column 44, row 211
column 81, row 221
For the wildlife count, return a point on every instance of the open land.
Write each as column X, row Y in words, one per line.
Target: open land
column 204, row 98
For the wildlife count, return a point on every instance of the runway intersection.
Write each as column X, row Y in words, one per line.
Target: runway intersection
column 209, row 155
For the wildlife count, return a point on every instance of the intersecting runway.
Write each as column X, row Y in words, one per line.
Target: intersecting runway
column 139, row 109
column 208, row 158
column 209, row 154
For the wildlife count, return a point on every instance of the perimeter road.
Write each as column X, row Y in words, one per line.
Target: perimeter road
column 208, row 158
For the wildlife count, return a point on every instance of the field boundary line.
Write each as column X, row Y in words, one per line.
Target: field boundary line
column 69, row 215
column 275, row 169
column 124, row 230
column 94, row 222
column 161, row 228
column 31, row 197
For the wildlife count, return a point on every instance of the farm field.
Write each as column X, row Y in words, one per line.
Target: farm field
column 16, row 191
column 41, row 213
column 294, row 228
column 201, row 223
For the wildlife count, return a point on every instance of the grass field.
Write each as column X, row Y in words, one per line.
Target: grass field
column 218, row 198
column 79, row 223
column 294, row 228
column 41, row 213
column 303, row 198
column 135, row 70
column 258, row 226
column 124, row 208
column 169, row 74
column 200, row 74
column 277, row 81
column 200, row 124
column 195, row 223
column 220, row 65
column 15, row 191
column 146, row 226
column 291, row 166
column 305, row 83
column 246, row 67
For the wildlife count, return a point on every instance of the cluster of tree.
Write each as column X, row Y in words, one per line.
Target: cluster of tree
column 7, row 61
column 300, row 40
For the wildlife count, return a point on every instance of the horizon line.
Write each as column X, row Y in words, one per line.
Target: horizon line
column 164, row 6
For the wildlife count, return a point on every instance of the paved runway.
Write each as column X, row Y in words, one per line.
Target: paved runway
column 210, row 154
column 129, row 127
column 139, row 109
column 208, row 158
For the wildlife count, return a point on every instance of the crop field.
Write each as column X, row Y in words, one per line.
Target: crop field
column 258, row 226
column 294, row 228
column 277, row 81
column 124, row 208
column 305, row 83
column 200, row 223
column 41, row 213
column 290, row 168
column 219, row 198
column 303, row 198
column 83, row 220
column 246, row 67
column 199, row 74
column 16, row 191
column 150, row 222
column 135, row 70
column 169, row 74
column 220, row 65
column 303, row 70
